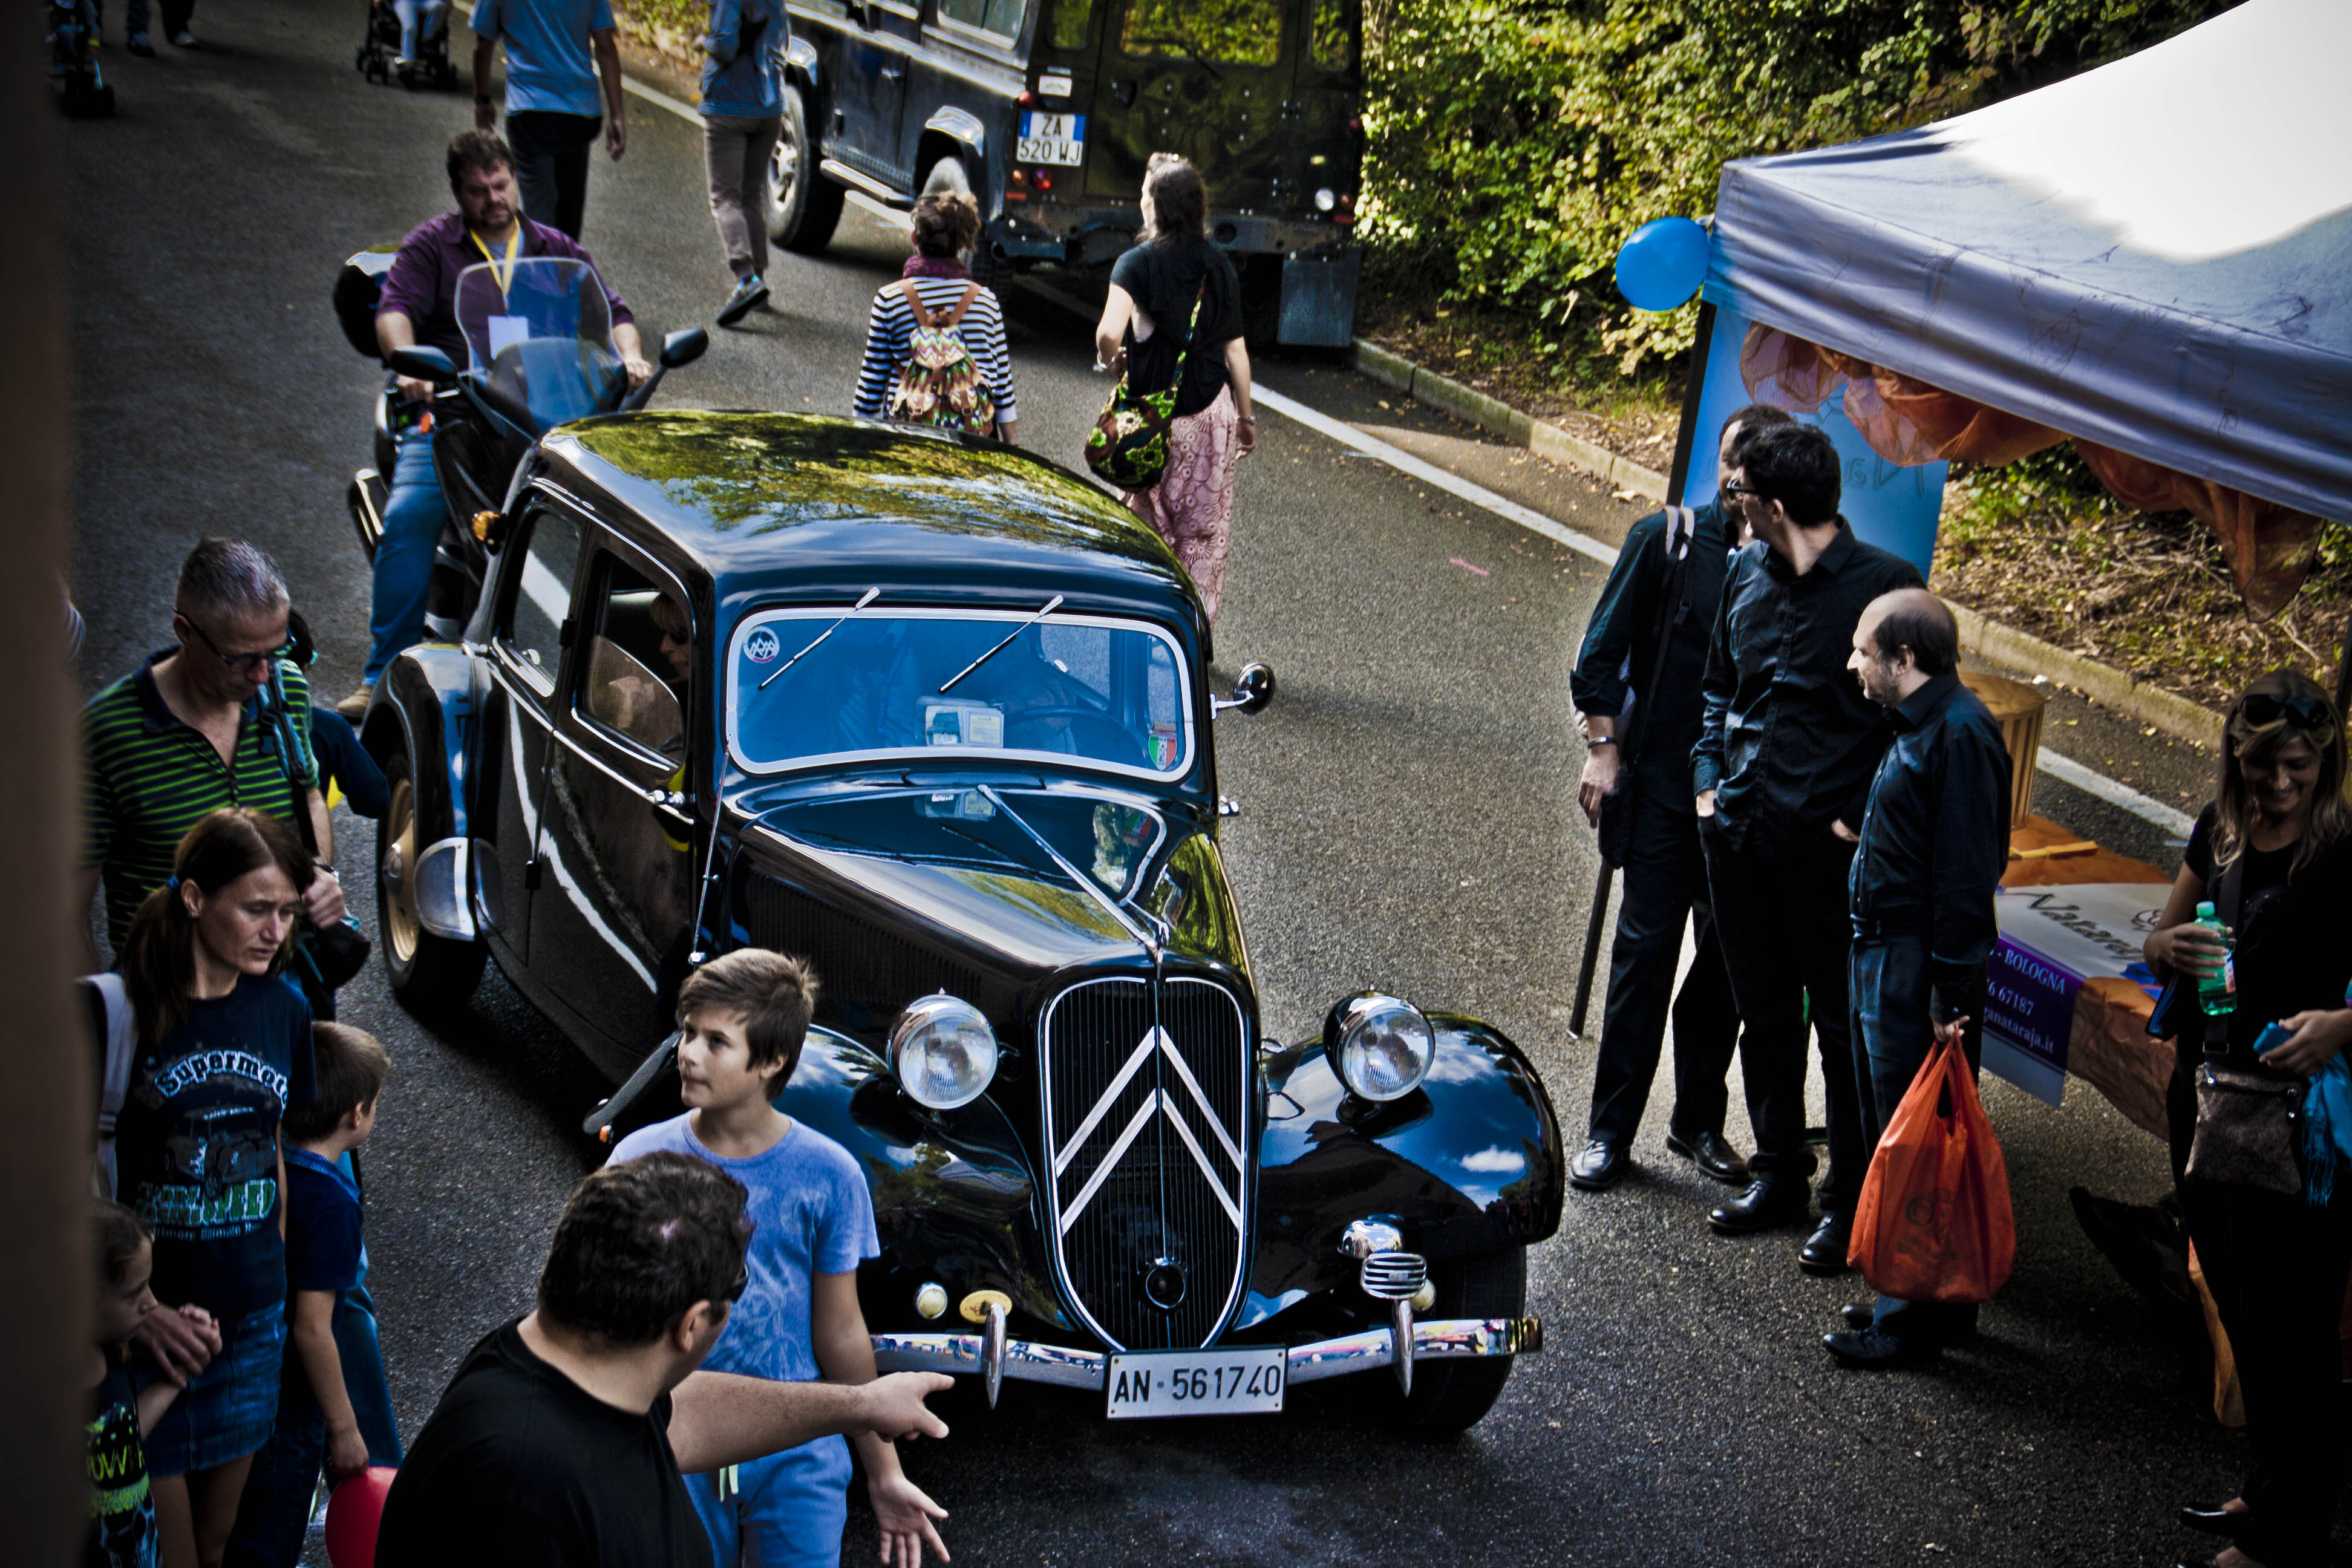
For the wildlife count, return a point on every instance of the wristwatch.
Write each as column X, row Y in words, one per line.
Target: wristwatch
column 1592, row 743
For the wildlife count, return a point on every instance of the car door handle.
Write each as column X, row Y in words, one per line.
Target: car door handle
column 890, row 75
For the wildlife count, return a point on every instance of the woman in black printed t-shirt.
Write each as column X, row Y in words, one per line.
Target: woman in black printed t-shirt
column 224, row 1050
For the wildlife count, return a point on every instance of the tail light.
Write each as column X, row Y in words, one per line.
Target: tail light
column 1041, row 179
column 1355, row 125
column 1028, row 101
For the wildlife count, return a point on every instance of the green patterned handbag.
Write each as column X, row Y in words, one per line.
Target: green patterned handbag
column 1129, row 444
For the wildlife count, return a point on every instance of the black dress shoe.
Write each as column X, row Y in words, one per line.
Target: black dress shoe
column 1712, row 1155
column 1858, row 1315
column 1870, row 1350
column 1597, row 1167
column 1764, row 1206
column 2214, row 1521
column 1823, row 1253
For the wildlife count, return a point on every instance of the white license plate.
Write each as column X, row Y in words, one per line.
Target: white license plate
column 1052, row 139
column 1199, row 1382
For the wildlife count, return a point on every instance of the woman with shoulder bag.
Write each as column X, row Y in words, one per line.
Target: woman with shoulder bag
column 2273, row 854
column 1173, row 320
column 223, row 1051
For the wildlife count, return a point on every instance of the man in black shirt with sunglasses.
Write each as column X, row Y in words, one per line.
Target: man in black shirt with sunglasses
column 1787, row 749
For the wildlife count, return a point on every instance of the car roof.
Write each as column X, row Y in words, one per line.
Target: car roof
column 796, row 501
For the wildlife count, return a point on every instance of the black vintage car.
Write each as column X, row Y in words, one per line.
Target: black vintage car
column 934, row 714
column 1046, row 110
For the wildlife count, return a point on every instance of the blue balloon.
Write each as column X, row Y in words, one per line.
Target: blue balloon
column 1662, row 264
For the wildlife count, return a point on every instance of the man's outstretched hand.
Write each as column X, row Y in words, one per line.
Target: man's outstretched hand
column 894, row 1406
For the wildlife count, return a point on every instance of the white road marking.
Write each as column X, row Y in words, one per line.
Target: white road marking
column 2058, row 767
column 2068, row 771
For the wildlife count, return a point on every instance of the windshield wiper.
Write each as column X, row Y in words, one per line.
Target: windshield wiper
column 1086, row 883
column 1050, row 606
column 870, row 595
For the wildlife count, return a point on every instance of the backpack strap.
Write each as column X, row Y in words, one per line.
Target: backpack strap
column 915, row 303
column 118, row 1048
column 954, row 318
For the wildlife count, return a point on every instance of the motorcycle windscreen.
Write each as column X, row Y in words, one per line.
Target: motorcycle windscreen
column 538, row 332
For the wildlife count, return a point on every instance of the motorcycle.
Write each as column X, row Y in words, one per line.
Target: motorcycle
column 540, row 353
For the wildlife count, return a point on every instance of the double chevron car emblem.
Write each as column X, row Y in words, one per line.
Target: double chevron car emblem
column 1157, row 1102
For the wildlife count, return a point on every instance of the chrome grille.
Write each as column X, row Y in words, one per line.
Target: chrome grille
column 1148, row 1135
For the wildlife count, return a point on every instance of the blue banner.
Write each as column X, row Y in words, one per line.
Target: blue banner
column 1893, row 507
column 2029, row 1019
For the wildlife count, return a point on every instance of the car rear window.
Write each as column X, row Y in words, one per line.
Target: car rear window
column 1222, row 32
column 1001, row 18
column 1086, row 689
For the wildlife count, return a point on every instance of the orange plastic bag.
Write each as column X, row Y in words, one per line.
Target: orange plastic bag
column 1934, row 1222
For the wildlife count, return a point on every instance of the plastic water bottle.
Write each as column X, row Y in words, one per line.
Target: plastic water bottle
column 2217, row 993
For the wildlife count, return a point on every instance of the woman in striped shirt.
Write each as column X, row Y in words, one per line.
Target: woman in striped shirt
column 946, row 224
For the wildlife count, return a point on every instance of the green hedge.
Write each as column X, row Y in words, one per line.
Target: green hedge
column 1515, row 143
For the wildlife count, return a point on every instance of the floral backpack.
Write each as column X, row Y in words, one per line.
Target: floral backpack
column 940, row 384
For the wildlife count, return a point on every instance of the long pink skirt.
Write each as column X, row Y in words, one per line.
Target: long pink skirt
column 1192, row 507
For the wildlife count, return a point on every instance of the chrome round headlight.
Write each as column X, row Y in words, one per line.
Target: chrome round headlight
column 1383, row 1047
column 1325, row 199
column 942, row 1052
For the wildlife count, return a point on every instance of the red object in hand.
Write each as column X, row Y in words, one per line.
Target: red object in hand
column 353, row 1513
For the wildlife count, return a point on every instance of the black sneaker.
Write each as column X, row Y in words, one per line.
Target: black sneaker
column 750, row 293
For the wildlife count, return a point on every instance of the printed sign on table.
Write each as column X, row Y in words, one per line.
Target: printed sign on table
column 2051, row 940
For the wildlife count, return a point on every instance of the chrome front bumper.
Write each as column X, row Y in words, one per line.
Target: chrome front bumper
column 1439, row 1340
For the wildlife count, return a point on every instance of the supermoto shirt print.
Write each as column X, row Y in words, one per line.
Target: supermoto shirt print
column 196, row 1145
column 121, row 1511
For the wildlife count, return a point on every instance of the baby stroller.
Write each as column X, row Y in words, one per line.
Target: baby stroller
column 380, row 57
column 73, row 43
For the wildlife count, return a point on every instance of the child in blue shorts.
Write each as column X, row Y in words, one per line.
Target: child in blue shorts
column 744, row 1016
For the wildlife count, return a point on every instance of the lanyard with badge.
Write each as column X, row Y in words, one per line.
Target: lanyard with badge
column 507, row 328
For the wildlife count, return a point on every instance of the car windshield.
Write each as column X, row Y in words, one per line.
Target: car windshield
column 1106, row 693
column 538, row 332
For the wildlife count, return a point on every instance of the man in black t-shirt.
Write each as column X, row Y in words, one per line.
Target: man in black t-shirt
column 561, row 1440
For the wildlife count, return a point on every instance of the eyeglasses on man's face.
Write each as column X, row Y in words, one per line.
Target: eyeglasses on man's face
column 248, row 665
column 1734, row 487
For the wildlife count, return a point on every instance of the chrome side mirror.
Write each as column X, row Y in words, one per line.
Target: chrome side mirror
column 1252, row 690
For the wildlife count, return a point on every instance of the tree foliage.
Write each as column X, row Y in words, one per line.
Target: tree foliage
column 1515, row 143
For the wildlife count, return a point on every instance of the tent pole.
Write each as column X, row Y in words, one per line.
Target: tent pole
column 1694, row 384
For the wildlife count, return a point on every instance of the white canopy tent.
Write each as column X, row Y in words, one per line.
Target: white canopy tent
column 2155, row 256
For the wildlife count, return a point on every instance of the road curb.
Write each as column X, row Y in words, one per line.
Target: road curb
column 1988, row 639
column 2110, row 687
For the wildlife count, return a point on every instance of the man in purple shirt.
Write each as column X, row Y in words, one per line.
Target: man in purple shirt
column 419, row 306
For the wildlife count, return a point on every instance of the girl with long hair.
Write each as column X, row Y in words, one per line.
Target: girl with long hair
column 224, row 1051
column 1177, row 293
column 2277, row 841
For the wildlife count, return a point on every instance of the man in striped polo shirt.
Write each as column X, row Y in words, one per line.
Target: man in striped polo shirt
column 186, row 733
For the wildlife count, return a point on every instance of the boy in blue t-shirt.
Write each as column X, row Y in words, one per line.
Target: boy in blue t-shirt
column 316, row 1423
column 745, row 1015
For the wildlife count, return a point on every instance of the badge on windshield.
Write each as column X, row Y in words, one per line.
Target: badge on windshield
column 760, row 647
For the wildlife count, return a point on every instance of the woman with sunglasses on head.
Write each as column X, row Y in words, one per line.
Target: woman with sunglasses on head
column 224, row 1050
column 2276, row 843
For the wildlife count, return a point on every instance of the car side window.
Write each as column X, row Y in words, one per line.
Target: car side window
column 531, row 628
column 1001, row 18
column 1331, row 42
column 1068, row 23
column 640, row 652
column 1231, row 32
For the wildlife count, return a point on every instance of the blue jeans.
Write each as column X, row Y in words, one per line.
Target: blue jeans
column 432, row 14
column 274, row 1512
column 413, row 517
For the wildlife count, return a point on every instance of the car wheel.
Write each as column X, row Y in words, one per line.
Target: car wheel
column 803, row 207
column 1451, row 1396
column 430, row 974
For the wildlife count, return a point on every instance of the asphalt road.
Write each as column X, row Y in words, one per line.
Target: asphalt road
column 1407, row 821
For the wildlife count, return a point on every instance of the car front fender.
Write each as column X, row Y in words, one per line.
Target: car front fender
column 954, row 1204
column 1470, row 1162
column 426, row 704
